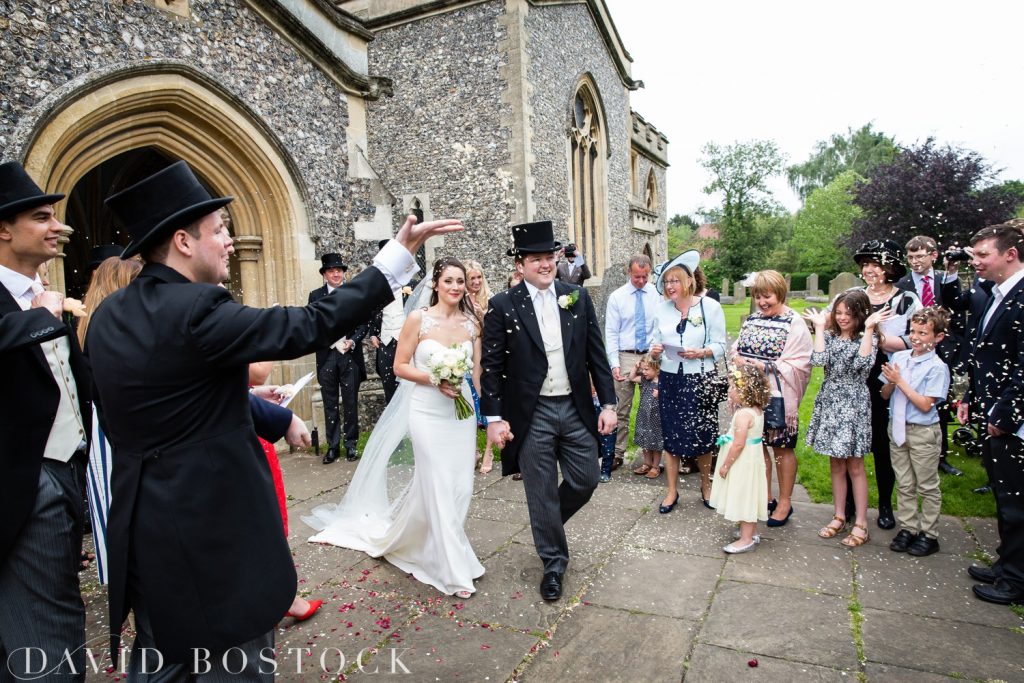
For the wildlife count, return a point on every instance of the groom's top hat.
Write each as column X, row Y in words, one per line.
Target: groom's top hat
column 19, row 193
column 533, row 238
column 331, row 260
column 101, row 253
column 152, row 209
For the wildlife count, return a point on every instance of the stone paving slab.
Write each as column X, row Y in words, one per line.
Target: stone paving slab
column 781, row 622
column 940, row 646
column 811, row 567
column 712, row 664
column 599, row 644
column 887, row 672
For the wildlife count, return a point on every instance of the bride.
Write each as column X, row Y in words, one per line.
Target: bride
column 413, row 513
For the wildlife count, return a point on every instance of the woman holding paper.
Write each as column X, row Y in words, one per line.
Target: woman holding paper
column 688, row 337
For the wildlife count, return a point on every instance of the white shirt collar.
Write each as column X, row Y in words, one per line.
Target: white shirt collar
column 913, row 360
column 1009, row 283
column 20, row 286
column 533, row 290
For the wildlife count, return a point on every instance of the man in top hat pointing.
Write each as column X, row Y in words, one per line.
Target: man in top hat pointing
column 45, row 422
column 196, row 543
column 340, row 368
column 542, row 348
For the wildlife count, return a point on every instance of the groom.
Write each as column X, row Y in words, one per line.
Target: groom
column 542, row 347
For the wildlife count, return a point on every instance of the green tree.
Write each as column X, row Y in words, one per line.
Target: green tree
column 823, row 226
column 859, row 150
column 740, row 174
column 681, row 232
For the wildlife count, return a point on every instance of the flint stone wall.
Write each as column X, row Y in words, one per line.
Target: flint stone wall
column 47, row 45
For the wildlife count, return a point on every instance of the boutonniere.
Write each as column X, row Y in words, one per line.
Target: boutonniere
column 407, row 290
column 695, row 319
column 567, row 301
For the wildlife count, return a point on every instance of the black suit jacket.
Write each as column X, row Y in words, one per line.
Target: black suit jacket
column 514, row 363
column 995, row 360
column 356, row 333
column 946, row 296
column 193, row 501
column 28, row 403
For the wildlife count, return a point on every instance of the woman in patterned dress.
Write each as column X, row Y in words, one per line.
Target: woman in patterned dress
column 775, row 340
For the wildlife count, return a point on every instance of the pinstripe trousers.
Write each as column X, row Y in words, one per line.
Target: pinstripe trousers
column 41, row 610
column 557, row 438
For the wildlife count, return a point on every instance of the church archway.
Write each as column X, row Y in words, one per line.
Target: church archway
column 131, row 121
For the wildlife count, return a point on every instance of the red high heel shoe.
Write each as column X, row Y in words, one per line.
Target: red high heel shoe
column 314, row 605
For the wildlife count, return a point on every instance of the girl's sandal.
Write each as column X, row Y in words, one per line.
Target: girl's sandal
column 642, row 469
column 653, row 473
column 854, row 541
column 829, row 531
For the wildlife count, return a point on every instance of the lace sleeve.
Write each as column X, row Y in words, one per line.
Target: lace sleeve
column 426, row 323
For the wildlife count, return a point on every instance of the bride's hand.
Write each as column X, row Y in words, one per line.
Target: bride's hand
column 449, row 389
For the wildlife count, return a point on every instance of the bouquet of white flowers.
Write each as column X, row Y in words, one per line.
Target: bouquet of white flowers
column 451, row 365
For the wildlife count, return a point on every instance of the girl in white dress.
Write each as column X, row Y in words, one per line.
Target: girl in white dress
column 417, row 523
column 738, row 492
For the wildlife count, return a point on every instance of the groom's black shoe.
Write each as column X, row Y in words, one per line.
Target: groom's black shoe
column 551, row 586
column 332, row 455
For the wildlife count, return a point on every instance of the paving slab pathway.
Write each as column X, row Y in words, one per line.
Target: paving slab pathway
column 648, row 597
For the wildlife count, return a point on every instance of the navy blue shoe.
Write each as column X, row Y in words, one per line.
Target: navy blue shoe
column 772, row 504
column 665, row 509
column 772, row 522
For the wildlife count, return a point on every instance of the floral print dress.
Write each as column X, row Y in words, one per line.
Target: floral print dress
column 840, row 424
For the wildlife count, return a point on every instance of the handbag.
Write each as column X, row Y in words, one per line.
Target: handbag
column 775, row 411
column 715, row 388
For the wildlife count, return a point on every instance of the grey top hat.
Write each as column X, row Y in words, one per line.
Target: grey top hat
column 166, row 201
column 20, row 193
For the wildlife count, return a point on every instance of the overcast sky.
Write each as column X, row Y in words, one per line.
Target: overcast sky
column 796, row 71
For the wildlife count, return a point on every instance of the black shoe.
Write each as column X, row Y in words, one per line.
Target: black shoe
column 665, row 509
column 983, row 574
column 982, row 489
column 902, row 542
column 551, row 586
column 616, row 463
column 1001, row 593
column 772, row 522
column 923, row 546
column 946, row 468
column 351, row 456
column 885, row 518
column 707, row 504
column 332, row 455
column 518, row 476
column 772, row 504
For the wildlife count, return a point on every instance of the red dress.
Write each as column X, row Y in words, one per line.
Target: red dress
column 275, row 471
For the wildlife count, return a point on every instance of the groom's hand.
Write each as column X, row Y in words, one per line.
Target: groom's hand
column 499, row 433
column 607, row 421
column 412, row 235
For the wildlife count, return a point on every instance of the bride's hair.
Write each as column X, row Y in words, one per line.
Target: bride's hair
column 465, row 303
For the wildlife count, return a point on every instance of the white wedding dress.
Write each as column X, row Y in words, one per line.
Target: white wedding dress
column 413, row 514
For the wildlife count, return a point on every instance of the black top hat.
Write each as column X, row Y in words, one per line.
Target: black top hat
column 166, row 201
column 331, row 260
column 101, row 253
column 885, row 252
column 533, row 238
column 19, row 193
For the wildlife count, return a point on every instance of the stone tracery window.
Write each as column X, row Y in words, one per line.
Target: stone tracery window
column 587, row 160
column 651, row 192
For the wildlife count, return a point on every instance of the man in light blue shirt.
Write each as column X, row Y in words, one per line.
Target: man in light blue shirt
column 628, row 323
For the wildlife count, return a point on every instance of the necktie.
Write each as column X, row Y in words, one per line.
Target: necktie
column 899, row 410
column 640, row 322
column 548, row 325
column 927, row 294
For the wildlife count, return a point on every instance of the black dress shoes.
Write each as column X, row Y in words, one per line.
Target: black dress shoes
column 983, row 574
column 923, row 546
column 551, row 586
column 1000, row 592
column 332, row 455
column 885, row 517
column 946, row 468
column 902, row 542
column 351, row 456
column 982, row 489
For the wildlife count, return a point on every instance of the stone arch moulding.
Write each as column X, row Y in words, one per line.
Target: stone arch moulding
column 588, row 150
column 183, row 113
column 585, row 82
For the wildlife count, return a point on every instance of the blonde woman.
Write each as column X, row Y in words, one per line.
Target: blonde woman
column 479, row 294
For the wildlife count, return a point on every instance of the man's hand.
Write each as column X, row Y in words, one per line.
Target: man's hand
column 963, row 413
column 412, row 236
column 375, row 342
column 498, row 433
column 607, row 421
column 995, row 431
column 51, row 301
column 617, row 376
column 297, row 434
column 349, row 345
column 268, row 392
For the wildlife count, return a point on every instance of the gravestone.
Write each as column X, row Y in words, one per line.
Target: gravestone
column 789, row 283
column 725, row 286
column 812, row 285
column 739, row 292
column 841, row 283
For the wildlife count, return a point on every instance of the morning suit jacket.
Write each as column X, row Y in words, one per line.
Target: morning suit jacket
column 995, row 358
column 514, row 363
column 28, row 403
column 356, row 333
column 194, row 508
column 572, row 274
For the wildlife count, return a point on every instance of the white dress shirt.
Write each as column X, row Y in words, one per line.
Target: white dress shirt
column 619, row 319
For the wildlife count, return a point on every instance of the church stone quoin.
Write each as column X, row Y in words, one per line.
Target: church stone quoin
column 483, row 118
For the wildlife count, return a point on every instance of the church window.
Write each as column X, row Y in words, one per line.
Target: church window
column 587, row 160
